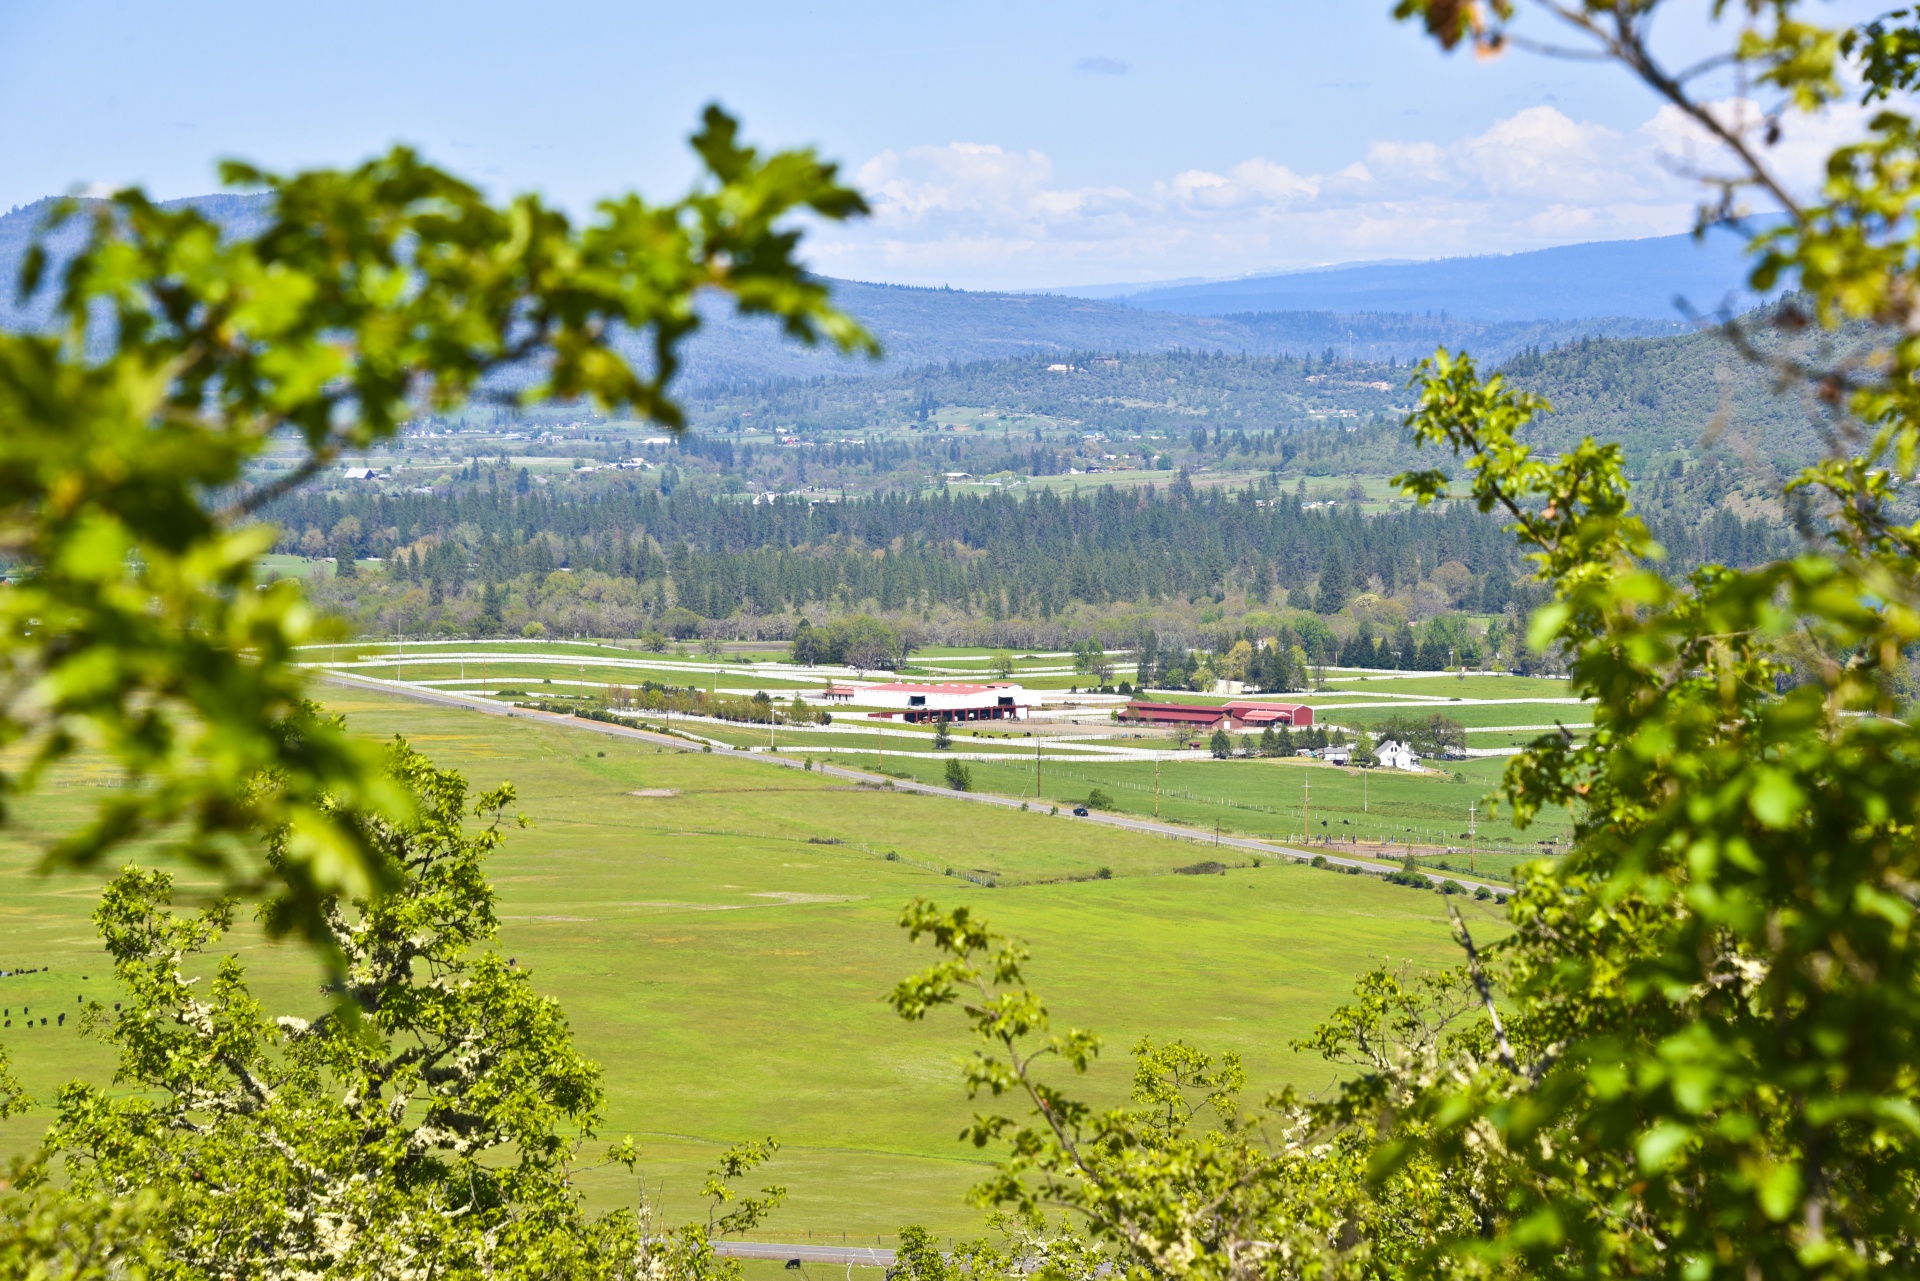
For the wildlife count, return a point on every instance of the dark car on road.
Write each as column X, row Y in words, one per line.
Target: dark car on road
column 1079, row 811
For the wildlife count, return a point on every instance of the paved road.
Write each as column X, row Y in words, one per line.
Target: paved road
column 1147, row 826
column 865, row 1256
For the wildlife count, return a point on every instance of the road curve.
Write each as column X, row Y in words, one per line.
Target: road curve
column 1147, row 826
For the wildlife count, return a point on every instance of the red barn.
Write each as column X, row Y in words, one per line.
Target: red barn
column 1236, row 715
column 1188, row 714
column 1247, row 715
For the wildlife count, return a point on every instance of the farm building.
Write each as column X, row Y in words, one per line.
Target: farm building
column 946, row 702
column 1240, row 714
column 1396, row 755
column 1188, row 714
column 1249, row 715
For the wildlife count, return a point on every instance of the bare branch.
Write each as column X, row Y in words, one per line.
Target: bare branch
column 1465, row 939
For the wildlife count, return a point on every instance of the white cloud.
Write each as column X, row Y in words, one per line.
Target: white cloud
column 981, row 215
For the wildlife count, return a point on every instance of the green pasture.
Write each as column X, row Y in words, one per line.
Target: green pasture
column 523, row 672
column 1467, row 714
column 1374, row 813
column 722, row 951
column 284, row 566
column 855, row 739
column 1438, row 686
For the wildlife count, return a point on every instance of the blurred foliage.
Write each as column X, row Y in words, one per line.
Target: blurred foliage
column 436, row 1134
column 137, row 626
column 1694, row 1054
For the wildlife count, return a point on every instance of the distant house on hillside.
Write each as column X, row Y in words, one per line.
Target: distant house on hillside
column 1394, row 754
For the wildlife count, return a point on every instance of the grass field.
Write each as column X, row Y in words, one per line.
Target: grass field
column 727, row 969
column 1376, row 813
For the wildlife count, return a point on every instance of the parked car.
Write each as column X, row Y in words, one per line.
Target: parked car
column 1079, row 811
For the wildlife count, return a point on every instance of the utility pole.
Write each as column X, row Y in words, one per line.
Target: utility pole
column 399, row 652
column 1156, row 787
column 1306, row 807
column 879, row 749
column 1470, row 836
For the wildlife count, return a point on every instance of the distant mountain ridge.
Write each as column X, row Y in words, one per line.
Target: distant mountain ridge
column 921, row 326
column 933, row 326
column 1620, row 278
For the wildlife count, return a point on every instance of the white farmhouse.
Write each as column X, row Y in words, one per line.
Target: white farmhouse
column 1394, row 754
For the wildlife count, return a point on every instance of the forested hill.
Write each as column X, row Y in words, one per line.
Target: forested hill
column 1660, row 397
column 951, row 560
column 1168, row 392
column 919, row 327
column 1663, row 400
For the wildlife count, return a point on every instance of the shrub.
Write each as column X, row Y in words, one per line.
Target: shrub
column 1099, row 800
column 1207, row 868
column 959, row 777
column 1104, row 874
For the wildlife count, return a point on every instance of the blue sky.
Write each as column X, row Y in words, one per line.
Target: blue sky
column 1012, row 145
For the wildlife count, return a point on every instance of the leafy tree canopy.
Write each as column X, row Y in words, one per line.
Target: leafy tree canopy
column 1693, row 1055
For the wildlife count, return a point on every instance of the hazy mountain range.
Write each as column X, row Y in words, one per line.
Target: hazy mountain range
column 1497, row 306
column 1651, row 279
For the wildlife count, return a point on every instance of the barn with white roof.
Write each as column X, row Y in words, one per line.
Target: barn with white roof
column 917, row 703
